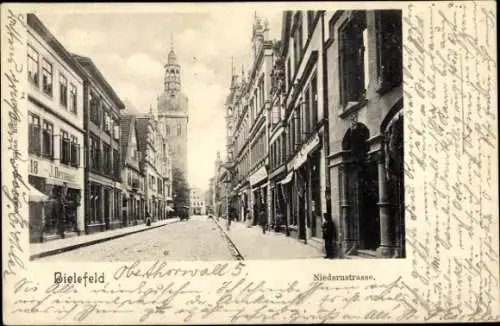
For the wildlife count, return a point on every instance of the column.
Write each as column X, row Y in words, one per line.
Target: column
column 342, row 242
column 387, row 234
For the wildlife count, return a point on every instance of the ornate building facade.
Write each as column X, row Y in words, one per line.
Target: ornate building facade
column 56, row 135
column 365, row 96
column 172, row 111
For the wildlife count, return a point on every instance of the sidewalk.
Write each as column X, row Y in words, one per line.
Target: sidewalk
column 253, row 244
column 39, row 250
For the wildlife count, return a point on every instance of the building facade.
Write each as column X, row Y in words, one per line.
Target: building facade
column 248, row 110
column 102, row 108
column 365, row 102
column 305, row 124
column 155, row 164
column 197, row 202
column 56, row 135
column 133, row 185
column 173, row 113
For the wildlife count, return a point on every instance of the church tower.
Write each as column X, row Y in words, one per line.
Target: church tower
column 173, row 113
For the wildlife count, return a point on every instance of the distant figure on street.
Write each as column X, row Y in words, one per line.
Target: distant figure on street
column 328, row 236
column 148, row 218
column 262, row 218
column 248, row 218
column 60, row 211
column 229, row 217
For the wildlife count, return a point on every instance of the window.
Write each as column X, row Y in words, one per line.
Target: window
column 167, row 130
column 352, row 57
column 75, row 152
column 65, row 148
column 297, row 40
column 116, row 163
column 33, row 66
column 314, row 100
column 47, row 77
column 116, row 130
column 310, row 21
column 106, row 153
column 389, row 48
column 107, row 121
column 34, row 134
column 307, row 113
column 95, row 105
column 179, row 130
column 63, row 90
column 72, row 99
column 48, row 139
column 95, row 153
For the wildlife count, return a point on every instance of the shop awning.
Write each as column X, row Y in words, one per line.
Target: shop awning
column 287, row 179
column 55, row 182
column 36, row 195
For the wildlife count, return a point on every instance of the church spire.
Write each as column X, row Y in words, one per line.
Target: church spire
column 172, row 82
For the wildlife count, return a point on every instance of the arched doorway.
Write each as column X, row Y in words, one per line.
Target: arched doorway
column 361, row 190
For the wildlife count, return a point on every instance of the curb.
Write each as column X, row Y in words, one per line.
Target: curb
column 92, row 242
column 238, row 254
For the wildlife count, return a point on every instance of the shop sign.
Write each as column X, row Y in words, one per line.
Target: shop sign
column 301, row 157
column 45, row 169
column 258, row 176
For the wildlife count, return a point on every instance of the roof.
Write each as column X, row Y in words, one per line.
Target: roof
column 36, row 24
column 92, row 69
column 141, row 130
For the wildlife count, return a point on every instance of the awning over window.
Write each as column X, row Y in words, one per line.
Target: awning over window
column 36, row 195
column 287, row 179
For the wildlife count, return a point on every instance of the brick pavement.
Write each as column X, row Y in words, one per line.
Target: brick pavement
column 52, row 247
column 192, row 240
column 253, row 244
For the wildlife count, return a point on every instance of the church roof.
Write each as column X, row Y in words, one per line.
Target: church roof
column 172, row 58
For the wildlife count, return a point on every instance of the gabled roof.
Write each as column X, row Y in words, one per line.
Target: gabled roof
column 141, row 130
column 94, row 72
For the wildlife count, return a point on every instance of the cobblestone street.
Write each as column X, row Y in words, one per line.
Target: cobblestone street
column 196, row 239
column 199, row 238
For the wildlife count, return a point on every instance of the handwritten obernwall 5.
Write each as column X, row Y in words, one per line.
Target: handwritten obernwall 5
column 451, row 273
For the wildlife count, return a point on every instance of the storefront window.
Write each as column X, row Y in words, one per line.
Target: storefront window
column 48, row 139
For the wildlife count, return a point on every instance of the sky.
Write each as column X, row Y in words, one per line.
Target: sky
column 130, row 49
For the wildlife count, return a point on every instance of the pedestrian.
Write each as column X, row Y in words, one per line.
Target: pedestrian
column 248, row 218
column 61, row 210
column 229, row 218
column 328, row 236
column 263, row 218
column 148, row 217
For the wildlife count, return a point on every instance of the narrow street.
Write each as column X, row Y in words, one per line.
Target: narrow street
column 196, row 239
column 199, row 238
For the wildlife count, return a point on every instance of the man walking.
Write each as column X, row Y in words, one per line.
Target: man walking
column 263, row 217
column 328, row 236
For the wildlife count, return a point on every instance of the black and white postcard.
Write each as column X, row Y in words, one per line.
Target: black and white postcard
column 249, row 163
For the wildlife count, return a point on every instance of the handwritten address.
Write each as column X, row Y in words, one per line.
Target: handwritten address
column 452, row 221
column 15, row 192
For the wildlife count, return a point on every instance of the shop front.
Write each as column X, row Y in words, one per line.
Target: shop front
column 63, row 211
column 306, row 191
column 258, row 186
